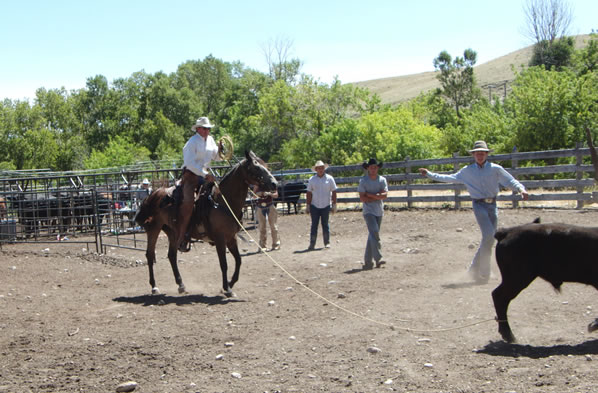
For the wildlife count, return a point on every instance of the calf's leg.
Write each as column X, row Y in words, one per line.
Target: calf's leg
column 502, row 295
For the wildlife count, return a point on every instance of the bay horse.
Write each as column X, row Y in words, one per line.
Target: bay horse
column 213, row 222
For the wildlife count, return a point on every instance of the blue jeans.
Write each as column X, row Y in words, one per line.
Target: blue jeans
column 486, row 215
column 317, row 214
column 373, row 246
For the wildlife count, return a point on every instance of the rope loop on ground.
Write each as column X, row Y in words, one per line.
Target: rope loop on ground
column 344, row 309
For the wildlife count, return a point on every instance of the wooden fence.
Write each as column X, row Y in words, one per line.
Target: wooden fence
column 569, row 182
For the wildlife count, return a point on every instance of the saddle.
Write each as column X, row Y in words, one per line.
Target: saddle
column 204, row 202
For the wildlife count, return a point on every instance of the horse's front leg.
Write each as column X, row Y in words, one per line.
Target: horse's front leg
column 172, row 257
column 234, row 250
column 221, row 249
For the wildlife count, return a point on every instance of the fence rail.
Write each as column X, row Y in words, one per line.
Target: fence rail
column 46, row 207
column 409, row 181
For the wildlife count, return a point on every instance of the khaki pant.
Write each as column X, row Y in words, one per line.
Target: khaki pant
column 272, row 219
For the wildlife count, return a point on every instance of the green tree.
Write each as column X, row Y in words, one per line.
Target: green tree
column 161, row 137
column 457, row 79
column 280, row 65
column 394, row 136
column 96, row 106
column 238, row 119
column 556, row 54
column 549, row 109
column 119, row 152
column 586, row 60
column 209, row 81
column 56, row 107
column 483, row 122
column 432, row 109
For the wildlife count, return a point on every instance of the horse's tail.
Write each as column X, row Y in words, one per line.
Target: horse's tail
column 148, row 208
column 143, row 215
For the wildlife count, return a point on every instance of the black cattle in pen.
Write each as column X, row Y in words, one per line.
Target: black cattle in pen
column 557, row 253
column 41, row 211
column 290, row 193
column 86, row 210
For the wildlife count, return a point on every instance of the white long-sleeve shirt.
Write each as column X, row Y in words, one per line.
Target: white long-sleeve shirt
column 198, row 153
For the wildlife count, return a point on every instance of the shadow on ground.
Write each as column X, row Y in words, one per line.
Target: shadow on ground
column 501, row 348
column 162, row 300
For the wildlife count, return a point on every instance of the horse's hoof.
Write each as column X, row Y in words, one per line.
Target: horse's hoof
column 182, row 289
column 155, row 291
column 229, row 293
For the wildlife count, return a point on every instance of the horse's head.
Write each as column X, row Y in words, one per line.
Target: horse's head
column 258, row 174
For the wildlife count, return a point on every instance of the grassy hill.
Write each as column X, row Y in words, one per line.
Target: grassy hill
column 491, row 77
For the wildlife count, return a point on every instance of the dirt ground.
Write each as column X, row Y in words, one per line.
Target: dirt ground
column 73, row 321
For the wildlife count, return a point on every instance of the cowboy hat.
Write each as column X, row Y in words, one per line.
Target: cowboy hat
column 203, row 122
column 145, row 181
column 372, row 161
column 317, row 164
column 480, row 146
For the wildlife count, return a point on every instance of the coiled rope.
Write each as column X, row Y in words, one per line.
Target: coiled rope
column 228, row 148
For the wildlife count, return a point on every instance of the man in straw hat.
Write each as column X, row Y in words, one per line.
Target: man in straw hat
column 198, row 153
column 266, row 213
column 373, row 190
column 482, row 179
column 320, row 200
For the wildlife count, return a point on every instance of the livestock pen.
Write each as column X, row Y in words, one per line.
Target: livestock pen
column 95, row 208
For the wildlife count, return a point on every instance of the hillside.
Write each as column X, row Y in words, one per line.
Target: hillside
column 491, row 76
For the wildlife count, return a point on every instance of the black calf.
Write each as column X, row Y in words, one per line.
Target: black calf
column 555, row 252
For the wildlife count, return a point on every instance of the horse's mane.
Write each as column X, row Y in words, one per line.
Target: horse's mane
column 229, row 174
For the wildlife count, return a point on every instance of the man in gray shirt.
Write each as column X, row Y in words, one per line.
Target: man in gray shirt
column 373, row 190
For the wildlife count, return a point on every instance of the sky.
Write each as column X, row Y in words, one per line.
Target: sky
column 61, row 43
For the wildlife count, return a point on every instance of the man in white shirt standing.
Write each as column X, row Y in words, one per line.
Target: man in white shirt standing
column 320, row 200
column 198, row 153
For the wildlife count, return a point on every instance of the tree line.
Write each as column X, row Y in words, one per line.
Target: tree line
column 292, row 118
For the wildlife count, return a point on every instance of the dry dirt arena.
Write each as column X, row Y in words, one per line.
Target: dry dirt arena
column 73, row 321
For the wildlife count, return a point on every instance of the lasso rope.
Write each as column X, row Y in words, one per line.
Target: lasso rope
column 228, row 150
column 390, row 325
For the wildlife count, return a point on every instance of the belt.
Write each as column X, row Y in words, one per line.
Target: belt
column 485, row 200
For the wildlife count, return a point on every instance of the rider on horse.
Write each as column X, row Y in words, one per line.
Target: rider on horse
column 198, row 153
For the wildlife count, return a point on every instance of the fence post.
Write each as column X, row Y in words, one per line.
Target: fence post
column 578, row 174
column 457, row 191
column 96, row 213
column 514, row 163
column 409, row 191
